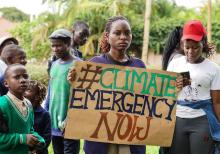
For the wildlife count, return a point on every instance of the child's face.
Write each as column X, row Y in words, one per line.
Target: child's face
column 80, row 36
column 31, row 93
column 19, row 58
column 60, row 49
column 17, row 81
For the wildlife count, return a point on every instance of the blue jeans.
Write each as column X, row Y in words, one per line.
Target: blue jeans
column 217, row 148
column 65, row 146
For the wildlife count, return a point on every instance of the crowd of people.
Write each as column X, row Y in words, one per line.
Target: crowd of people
column 27, row 127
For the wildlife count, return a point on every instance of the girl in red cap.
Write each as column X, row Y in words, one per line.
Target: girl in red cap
column 198, row 109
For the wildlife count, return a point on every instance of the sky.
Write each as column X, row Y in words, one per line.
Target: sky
column 191, row 3
column 35, row 7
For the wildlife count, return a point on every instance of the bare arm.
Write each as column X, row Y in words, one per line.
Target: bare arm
column 215, row 94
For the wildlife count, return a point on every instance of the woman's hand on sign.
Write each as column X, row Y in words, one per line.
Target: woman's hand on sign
column 71, row 75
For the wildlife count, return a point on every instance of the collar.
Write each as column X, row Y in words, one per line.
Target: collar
column 109, row 57
column 15, row 99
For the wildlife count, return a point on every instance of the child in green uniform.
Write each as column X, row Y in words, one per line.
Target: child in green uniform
column 18, row 115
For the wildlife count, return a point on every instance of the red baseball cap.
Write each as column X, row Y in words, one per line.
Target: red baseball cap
column 193, row 30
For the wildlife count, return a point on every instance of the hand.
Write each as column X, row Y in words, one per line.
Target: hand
column 186, row 81
column 32, row 140
column 61, row 124
column 71, row 74
column 182, row 82
column 33, row 152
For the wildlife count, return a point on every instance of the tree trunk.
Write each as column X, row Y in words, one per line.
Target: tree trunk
column 146, row 30
column 209, row 22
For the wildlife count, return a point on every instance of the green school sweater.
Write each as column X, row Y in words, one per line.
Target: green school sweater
column 14, row 141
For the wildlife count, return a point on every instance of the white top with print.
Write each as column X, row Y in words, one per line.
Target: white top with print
column 205, row 76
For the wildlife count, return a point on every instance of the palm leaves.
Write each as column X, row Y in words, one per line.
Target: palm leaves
column 165, row 15
column 94, row 12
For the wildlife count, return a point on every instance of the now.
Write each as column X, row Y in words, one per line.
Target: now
column 130, row 132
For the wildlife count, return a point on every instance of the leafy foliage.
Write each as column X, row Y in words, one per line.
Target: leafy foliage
column 40, row 50
column 216, row 34
column 13, row 14
column 37, row 71
column 165, row 16
column 159, row 30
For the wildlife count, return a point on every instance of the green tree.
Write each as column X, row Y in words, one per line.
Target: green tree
column 215, row 21
column 165, row 16
column 13, row 14
column 32, row 37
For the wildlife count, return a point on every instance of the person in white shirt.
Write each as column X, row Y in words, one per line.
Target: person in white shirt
column 198, row 102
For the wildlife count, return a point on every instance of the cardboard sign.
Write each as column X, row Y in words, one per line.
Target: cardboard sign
column 122, row 105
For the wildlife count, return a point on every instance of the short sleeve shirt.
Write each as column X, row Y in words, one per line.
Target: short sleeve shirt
column 205, row 76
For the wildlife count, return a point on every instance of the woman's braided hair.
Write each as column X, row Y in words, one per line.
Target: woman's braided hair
column 104, row 45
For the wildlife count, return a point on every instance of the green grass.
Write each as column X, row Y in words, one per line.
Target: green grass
column 150, row 149
column 50, row 149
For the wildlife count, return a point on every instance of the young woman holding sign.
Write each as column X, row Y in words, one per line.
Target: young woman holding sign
column 114, row 43
column 198, row 109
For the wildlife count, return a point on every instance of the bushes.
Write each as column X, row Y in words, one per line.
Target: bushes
column 216, row 34
column 33, row 36
column 38, row 71
column 159, row 32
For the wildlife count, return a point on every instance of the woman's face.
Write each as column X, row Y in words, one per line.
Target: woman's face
column 119, row 36
column 193, row 50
